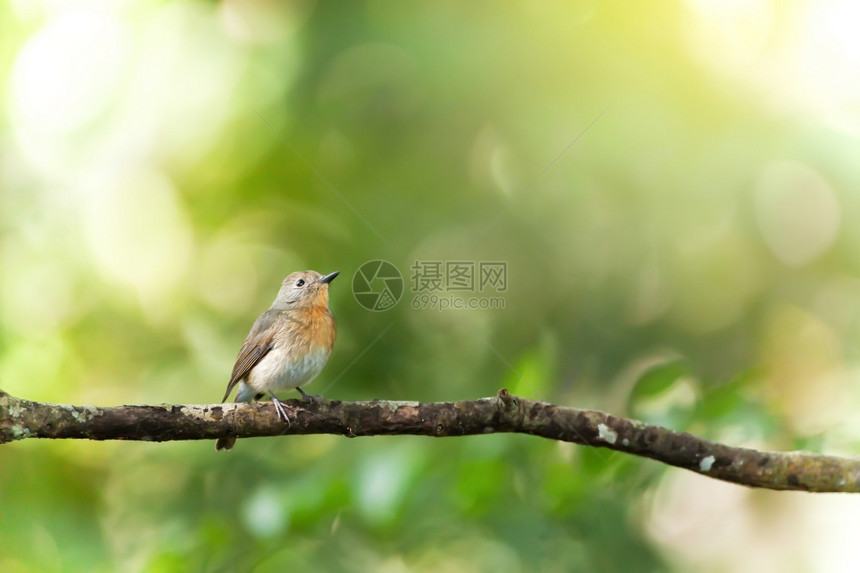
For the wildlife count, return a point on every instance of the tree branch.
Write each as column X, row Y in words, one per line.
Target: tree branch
column 21, row 419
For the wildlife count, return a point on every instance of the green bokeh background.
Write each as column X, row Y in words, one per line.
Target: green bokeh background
column 672, row 186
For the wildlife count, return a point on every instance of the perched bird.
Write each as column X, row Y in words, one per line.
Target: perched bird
column 288, row 345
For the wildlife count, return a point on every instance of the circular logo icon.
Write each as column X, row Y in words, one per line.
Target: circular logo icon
column 377, row 285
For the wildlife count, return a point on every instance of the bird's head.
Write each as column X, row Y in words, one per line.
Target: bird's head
column 304, row 289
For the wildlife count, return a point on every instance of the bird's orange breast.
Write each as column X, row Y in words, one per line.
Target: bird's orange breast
column 307, row 330
column 322, row 328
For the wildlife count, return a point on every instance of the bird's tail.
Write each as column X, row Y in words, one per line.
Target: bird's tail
column 225, row 443
column 245, row 394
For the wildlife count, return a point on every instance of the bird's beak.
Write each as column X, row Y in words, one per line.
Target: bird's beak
column 328, row 278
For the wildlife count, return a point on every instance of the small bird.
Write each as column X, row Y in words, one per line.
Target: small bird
column 288, row 345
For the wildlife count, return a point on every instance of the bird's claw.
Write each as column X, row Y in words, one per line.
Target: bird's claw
column 281, row 410
column 313, row 398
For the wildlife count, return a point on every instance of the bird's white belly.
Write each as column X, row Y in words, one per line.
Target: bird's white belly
column 278, row 371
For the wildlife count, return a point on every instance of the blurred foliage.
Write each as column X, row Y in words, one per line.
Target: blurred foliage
column 671, row 185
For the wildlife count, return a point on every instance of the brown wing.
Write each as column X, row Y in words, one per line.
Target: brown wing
column 257, row 345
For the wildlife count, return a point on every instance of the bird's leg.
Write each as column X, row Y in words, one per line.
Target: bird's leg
column 309, row 397
column 280, row 408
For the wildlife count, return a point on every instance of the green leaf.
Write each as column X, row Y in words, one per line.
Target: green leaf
column 659, row 379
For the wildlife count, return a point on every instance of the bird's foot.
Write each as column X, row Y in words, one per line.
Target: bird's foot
column 280, row 409
column 314, row 398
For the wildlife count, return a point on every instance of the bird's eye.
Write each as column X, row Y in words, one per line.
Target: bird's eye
column 300, row 282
